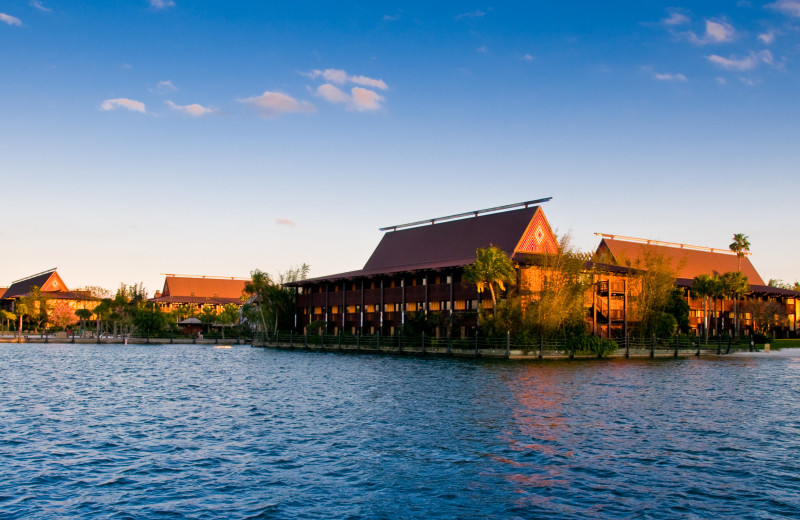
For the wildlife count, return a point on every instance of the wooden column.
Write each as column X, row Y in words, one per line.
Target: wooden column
column 361, row 318
column 608, row 300
column 381, row 315
column 344, row 303
column 327, row 306
column 594, row 305
column 403, row 301
column 425, row 282
column 625, row 306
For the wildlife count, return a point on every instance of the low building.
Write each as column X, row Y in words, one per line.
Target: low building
column 199, row 291
column 52, row 288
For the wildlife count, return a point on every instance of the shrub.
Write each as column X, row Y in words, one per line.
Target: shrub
column 594, row 345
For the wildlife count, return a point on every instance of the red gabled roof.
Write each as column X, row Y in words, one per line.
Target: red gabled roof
column 48, row 281
column 687, row 261
column 2, row 292
column 203, row 287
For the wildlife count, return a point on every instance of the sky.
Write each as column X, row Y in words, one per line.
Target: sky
column 145, row 137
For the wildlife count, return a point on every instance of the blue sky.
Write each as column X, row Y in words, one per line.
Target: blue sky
column 148, row 137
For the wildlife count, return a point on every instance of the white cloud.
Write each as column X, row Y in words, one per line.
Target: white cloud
column 128, row 104
column 161, row 4
column 333, row 94
column 722, row 81
column 477, row 13
column 789, row 7
column 364, row 99
column 285, row 222
column 527, row 57
column 341, row 77
column 391, row 17
column 164, row 87
column 270, row 104
column 670, row 77
column 719, row 31
column 749, row 82
column 193, row 110
column 482, row 49
column 333, row 75
column 10, row 20
column 38, row 5
column 767, row 38
column 676, row 17
column 368, row 82
column 359, row 99
column 747, row 63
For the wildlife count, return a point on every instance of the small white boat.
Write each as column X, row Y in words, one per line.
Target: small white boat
column 223, row 346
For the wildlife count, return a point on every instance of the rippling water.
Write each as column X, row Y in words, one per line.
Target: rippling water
column 190, row 431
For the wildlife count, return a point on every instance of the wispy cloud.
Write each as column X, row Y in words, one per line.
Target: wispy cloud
column 767, row 38
column 749, row 82
column 333, row 94
column 10, row 20
column 527, row 57
column 359, row 99
column 789, row 7
column 271, row 104
column 753, row 60
column 391, row 17
column 670, row 77
column 161, row 4
column 675, row 17
column 164, row 87
column 477, row 13
column 482, row 49
column 341, row 77
column 38, row 5
column 128, row 104
column 716, row 32
column 193, row 110
column 285, row 222
column 364, row 99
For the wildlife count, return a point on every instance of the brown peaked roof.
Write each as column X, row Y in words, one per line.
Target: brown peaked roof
column 2, row 292
column 48, row 281
column 688, row 262
column 452, row 243
column 203, row 287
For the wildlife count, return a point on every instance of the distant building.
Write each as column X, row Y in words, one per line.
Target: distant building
column 199, row 291
column 52, row 287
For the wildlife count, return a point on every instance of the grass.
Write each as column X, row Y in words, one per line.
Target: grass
column 785, row 343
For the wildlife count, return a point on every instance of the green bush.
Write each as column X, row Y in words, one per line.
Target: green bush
column 593, row 345
column 761, row 338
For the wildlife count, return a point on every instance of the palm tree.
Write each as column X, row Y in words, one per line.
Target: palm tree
column 260, row 288
column 740, row 246
column 21, row 309
column 703, row 287
column 735, row 286
column 83, row 315
column 491, row 268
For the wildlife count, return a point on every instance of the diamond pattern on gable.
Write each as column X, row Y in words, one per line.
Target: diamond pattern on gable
column 538, row 238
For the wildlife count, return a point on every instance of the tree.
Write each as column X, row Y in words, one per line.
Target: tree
column 703, row 287
column 148, row 320
column 208, row 316
column 22, row 309
column 7, row 317
column 83, row 315
column 492, row 268
column 740, row 246
column 102, row 312
column 554, row 290
column 678, row 307
column 62, row 315
column 275, row 301
column 228, row 317
column 735, row 285
column 653, row 283
column 765, row 314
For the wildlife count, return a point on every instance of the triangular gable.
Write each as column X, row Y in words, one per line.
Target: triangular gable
column 54, row 284
column 538, row 237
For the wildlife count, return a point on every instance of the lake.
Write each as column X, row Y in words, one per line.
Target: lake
column 190, row 431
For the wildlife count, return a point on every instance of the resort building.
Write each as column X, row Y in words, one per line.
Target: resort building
column 419, row 267
column 52, row 288
column 199, row 291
